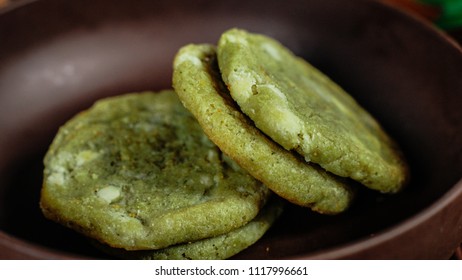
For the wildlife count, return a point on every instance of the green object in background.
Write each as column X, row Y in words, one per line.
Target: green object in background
column 451, row 12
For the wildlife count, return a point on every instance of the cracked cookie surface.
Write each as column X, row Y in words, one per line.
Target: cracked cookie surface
column 214, row 248
column 137, row 172
column 197, row 81
column 304, row 111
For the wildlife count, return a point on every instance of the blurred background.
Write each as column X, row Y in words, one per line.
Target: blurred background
column 445, row 14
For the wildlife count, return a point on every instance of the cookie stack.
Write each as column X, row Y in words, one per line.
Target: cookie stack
column 151, row 177
column 285, row 122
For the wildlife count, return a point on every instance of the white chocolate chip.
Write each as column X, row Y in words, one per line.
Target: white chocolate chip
column 212, row 155
column 206, row 180
column 242, row 85
column 85, row 156
column 275, row 92
column 182, row 57
column 57, row 178
column 235, row 39
column 271, row 50
column 109, row 193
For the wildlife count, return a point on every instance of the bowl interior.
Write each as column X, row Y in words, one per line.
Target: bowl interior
column 57, row 57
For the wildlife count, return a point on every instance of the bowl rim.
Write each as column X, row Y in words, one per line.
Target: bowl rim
column 13, row 5
column 419, row 218
column 417, row 19
column 33, row 250
column 390, row 233
column 24, row 249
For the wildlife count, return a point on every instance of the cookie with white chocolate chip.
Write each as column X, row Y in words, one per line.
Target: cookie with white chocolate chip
column 137, row 172
column 303, row 110
column 196, row 79
column 214, row 248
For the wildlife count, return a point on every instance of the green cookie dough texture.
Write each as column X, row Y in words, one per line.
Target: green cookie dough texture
column 303, row 110
column 219, row 247
column 197, row 81
column 137, row 172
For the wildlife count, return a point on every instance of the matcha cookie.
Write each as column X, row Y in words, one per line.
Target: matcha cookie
column 137, row 172
column 197, row 81
column 303, row 110
column 219, row 247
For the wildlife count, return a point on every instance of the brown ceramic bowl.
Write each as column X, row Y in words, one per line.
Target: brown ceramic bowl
column 57, row 57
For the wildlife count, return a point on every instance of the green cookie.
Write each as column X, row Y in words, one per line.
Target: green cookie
column 137, row 172
column 303, row 110
column 219, row 247
column 197, row 81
